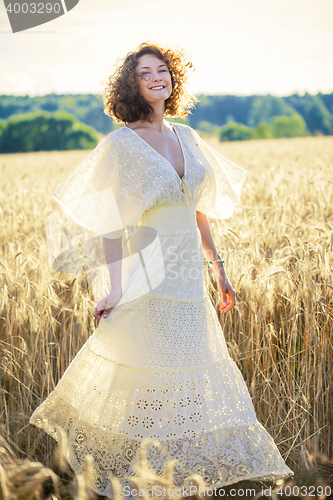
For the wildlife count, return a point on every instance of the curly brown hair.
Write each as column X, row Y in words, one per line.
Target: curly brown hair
column 122, row 98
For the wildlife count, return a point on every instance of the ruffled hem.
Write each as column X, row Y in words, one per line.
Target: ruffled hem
column 221, row 457
column 141, row 403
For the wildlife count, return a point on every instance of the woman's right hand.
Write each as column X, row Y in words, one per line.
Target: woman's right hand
column 105, row 305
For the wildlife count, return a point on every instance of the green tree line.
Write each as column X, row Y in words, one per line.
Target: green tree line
column 247, row 117
column 279, row 126
column 69, row 121
column 87, row 108
column 316, row 110
column 42, row 131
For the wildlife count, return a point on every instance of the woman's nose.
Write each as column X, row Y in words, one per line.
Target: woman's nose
column 157, row 77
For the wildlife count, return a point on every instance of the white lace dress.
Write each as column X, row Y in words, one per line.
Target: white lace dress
column 157, row 366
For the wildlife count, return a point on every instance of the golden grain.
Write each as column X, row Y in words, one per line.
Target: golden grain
column 278, row 253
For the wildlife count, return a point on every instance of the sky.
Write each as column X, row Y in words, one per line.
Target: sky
column 241, row 47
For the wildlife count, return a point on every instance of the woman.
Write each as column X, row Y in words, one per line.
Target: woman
column 157, row 366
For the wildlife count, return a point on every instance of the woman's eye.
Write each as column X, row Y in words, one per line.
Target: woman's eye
column 163, row 71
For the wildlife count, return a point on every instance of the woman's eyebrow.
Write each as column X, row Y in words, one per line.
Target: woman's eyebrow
column 148, row 67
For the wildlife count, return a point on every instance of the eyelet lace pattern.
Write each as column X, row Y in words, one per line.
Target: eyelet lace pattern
column 169, row 379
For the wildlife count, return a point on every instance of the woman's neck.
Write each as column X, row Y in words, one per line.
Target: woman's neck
column 158, row 122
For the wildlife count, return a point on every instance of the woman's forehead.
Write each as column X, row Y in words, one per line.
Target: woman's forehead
column 149, row 60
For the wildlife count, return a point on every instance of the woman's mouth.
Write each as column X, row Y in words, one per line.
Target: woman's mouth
column 157, row 87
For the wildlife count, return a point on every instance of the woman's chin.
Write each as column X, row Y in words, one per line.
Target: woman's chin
column 159, row 98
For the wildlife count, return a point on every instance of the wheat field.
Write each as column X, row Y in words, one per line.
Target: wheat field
column 278, row 252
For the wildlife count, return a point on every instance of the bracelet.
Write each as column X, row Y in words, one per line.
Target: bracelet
column 210, row 263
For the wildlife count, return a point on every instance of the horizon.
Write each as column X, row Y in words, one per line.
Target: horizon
column 203, row 94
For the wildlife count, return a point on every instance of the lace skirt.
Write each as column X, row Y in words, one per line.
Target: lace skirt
column 158, row 369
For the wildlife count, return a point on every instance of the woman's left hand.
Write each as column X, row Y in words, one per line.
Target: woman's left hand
column 228, row 294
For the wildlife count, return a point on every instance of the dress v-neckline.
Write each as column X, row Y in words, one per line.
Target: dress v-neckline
column 161, row 156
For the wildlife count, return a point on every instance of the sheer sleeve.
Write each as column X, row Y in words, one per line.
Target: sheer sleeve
column 102, row 194
column 225, row 179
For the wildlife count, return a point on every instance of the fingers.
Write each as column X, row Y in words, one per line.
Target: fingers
column 224, row 297
column 230, row 300
column 106, row 312
column 99, row 313
column 227, row 307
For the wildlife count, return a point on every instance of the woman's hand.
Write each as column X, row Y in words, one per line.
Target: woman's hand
column 227, row 292
column 105, row 305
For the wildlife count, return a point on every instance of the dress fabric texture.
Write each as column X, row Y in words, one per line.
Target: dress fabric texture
column 158, row 366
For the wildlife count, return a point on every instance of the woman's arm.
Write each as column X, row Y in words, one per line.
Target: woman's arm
column 210, row 253
column 208, row 245
column 113, row 255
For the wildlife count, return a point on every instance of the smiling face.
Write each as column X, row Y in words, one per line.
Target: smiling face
column 153, row 78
